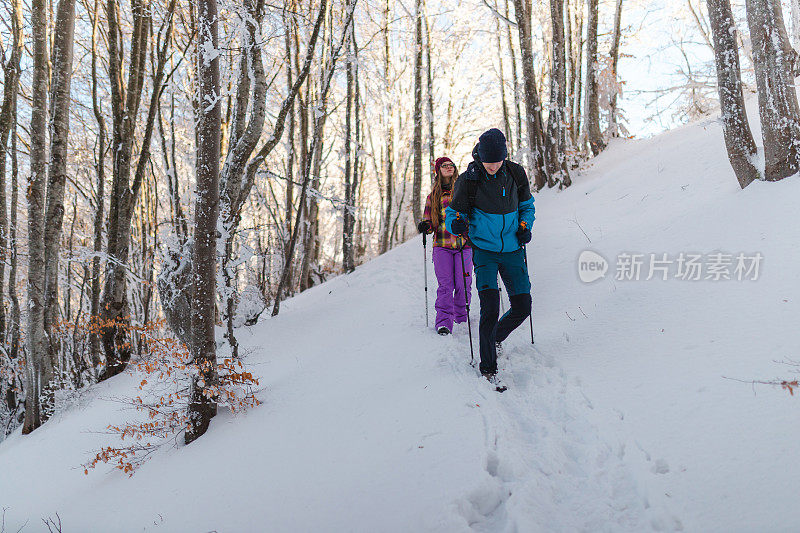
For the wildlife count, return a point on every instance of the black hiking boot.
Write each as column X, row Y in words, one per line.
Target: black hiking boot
column 491, row 377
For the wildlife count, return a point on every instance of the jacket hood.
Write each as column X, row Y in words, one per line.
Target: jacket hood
column 475, row 156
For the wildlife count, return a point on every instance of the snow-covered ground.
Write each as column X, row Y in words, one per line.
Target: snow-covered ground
column 619, row 418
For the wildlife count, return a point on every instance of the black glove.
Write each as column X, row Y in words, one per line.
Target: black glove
column 459, row 226
column 424, row 226
column 523, row 234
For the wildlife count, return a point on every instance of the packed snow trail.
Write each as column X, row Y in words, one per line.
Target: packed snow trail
column 618, row 419
column 369, row 422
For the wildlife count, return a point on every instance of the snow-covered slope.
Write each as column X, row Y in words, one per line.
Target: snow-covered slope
column 618, row 419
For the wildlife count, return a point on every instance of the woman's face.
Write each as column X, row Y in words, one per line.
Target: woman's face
column 447, row 169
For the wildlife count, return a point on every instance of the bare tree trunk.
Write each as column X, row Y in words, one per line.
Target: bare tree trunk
column 11, row 73
column 777, row 101
column 327, row 77
column 351, row 176
column 176, row 217
column 738, row 138
column 304, row 112
column 124, row 107
column 593, row 133
column 239, row 172
column 15, row 325
column 57, row 172
column 290, row 134
column 358, row 166
column 175, row 274
column 94, row 337
column 39, row 364
column 311, row 241
column 203, row 405
column 310, row 207
column 515, row 80
column 309, row 264
column 429, row 91
column 348, row 264
column 243, row 140
column 416, row 191
column 252, row 166
column 389, row 125
column 556, row 141
column 305, row 122
column 124, row 194
column 502, row 80
column 532, row 104
column 576, row 81
column 615, row 39
column 8, row 127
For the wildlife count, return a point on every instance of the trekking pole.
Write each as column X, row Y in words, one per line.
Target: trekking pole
column 525, row 255
column 466, row 303
column 425, row 268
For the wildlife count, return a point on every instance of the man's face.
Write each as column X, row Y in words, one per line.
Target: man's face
column 492, row 168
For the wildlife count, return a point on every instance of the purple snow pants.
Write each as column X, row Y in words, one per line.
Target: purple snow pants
column 450, row 304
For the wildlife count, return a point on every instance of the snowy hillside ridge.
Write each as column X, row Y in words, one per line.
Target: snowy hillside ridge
column 617, row 419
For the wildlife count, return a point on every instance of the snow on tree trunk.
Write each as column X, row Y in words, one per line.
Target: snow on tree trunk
column 777, row 100
column 556, row 140
column 244, row 136
column 39, row 369
column 738, row 138
column 202, row 405
column 594, row 135
column 532, row 104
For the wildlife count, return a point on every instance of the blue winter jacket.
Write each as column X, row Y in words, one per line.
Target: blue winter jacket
column 499, row 205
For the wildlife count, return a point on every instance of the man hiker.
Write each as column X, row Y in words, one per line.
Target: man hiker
column 492, row 199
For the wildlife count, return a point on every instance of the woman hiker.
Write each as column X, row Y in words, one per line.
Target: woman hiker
column 447, row 251
column 492, row 200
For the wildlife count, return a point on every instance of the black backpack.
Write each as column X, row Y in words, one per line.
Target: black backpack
column 516, row 172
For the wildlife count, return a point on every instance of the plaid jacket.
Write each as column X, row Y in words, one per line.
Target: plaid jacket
column 442, row 237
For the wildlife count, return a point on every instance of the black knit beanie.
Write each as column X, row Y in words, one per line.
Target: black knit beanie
column 492, row 146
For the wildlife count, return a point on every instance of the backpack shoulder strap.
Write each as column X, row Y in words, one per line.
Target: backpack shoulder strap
column 518, row 174
column 472, row 191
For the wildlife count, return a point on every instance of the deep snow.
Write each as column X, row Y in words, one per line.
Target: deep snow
column 618, row 419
